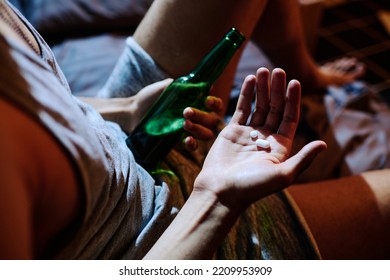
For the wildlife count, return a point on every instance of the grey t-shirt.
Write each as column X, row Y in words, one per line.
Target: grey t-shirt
column 124, row 210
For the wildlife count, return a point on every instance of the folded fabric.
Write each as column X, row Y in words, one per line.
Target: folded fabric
column 354, row 121
column 360, row 120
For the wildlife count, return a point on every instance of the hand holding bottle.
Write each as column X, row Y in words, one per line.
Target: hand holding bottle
column 199, row 124
column 162, row 127
column 127, row 112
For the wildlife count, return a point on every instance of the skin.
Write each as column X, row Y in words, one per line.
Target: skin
column 169, row 35
column 349, row 217
column 27, row 239
column 223, row 190
column 128, row 112
column 208, row 212
column 39, row 190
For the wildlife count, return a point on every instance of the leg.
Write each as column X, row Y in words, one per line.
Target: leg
column 280, row 35
column 178, row 33
column 349, row 217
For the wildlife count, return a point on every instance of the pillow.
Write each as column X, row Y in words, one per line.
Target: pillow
column 52, row 17
column 17, row 4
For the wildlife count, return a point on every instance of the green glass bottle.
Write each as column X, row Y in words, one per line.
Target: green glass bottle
column 162, row 127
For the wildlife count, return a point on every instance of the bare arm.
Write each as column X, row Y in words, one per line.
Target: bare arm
column 128, row 112
column 236, row 172
column 32, row 212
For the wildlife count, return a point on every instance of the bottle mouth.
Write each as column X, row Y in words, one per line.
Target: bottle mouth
column 235, row 36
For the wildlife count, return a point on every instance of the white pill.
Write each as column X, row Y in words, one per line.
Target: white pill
column 254, row 133
column 262, row 143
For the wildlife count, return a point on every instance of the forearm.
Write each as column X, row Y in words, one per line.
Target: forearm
column 119, row 110
column 197, row 230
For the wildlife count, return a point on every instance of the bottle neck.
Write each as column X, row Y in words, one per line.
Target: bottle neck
column 213, row 64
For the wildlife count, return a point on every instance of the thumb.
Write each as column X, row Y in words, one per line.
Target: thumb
column 155, row 88
column 150, row 93
column 302, row 160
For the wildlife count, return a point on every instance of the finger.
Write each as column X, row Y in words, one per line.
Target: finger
column 244, row 103
column 198, row 131
column 262, row 98
column 190, row 143
column 214, row 104
column 278, row 90
column 292, row 109
column 302, row 160
column 203, row 118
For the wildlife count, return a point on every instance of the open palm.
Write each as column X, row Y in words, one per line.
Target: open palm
column 243, row 172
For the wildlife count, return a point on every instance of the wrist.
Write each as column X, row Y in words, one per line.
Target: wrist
column 118, row 110
column 211, row 220
column 196, row 232
column 222, row 197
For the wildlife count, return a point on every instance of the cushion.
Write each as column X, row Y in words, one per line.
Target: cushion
column 54, row 17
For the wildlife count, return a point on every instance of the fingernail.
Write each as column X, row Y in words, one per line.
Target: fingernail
column 187, row 112
column 210, row 101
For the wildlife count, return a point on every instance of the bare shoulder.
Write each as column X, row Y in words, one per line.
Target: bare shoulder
column 38, row 185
